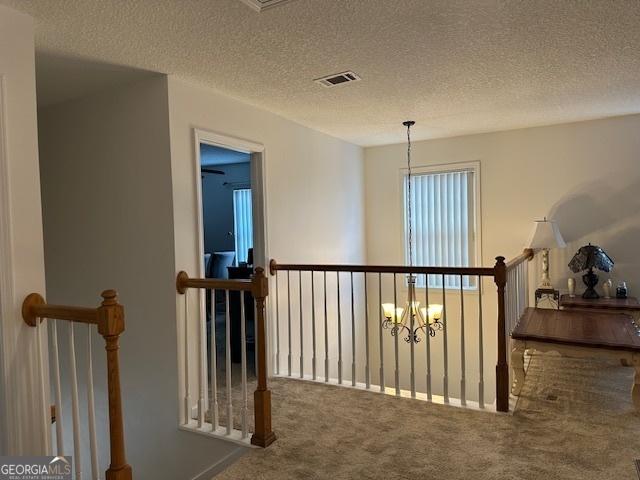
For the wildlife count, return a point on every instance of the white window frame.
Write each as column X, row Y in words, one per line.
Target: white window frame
column 473, row 166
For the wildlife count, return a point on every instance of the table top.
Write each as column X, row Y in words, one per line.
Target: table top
column 597, row 329
column 629, row 303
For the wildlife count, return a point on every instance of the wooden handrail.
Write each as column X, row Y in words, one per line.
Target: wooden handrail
column 263, row 435
column 109, row 317
column 34, row 307
column 526, row 255
column 483, row 271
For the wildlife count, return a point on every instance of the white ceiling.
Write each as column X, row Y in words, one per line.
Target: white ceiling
column 454, row 66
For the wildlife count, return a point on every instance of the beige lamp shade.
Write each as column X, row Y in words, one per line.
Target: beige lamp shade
column 546, row 234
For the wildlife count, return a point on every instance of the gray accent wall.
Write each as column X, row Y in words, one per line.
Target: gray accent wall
column 108, row 223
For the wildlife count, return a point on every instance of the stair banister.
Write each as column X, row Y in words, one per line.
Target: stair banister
column 258, row 286
column 109, row 317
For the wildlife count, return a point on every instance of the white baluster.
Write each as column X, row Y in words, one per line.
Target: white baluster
column 228, row 363
column 412, row 347
column 428, row 337
column 243, row 349
column 93, row 442
column 255, row 336
column 509, row 316
column 313, row 327
column 187, row 398
column 213, row 408
column 445, row 349
column 301, row 325
column 397, row 334
column 526, row 284
column 339, row 331
column 75, row 409
column 57, row 389
column 380, row 334
column 353, row 337
column 43, row 380
column 480, row 347
column 277, row 328
column 326, row 331
column 367, row 371
column 202, row 358
column 463, row 373
column 289, row 320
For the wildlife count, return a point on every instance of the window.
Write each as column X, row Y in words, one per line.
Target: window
column 443, row 210
column 242, row 223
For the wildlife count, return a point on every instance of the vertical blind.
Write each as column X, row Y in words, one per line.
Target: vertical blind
column 242, row 223
column 443, row 219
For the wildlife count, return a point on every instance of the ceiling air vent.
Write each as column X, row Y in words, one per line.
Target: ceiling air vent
column 260, row 5
column 337, row 79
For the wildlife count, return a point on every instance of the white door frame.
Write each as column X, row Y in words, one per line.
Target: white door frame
column 6, row 261
column 259, row 203
column 24, row 405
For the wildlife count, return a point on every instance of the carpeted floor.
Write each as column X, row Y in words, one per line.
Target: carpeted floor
column 574, row 420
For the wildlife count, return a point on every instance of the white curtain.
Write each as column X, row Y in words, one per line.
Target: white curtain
column 443, row 221
column 242, row 223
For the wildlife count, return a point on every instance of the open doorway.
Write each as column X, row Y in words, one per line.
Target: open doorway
column 232, row 233
column 226, row 212
column 231, row 201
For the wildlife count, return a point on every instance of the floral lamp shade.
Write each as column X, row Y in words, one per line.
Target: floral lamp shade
column 588, row 258
column 591, row 256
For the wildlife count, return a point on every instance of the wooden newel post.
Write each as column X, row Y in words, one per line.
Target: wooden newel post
column 502, row 367
column 263, row 436
column 110, row 326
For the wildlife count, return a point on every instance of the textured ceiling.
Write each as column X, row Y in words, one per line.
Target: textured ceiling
column 454, row 66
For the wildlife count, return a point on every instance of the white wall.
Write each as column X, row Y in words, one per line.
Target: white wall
column 314, row 184
column 108, row 217
column 21, row 253
column 120, row 212
column 584, row 175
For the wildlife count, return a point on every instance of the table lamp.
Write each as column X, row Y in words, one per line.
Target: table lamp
column 545, row 236
column 588, row 258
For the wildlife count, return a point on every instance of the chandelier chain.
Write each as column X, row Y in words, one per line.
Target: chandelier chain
column 410, row 226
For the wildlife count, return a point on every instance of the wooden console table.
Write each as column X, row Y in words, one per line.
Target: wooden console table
column 577, row 334
column 628, row 305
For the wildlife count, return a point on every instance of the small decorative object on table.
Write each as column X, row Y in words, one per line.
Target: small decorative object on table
column 588, row 258
column 551, row 295
column 621, row 291
column 571, row 284
column 606, row 288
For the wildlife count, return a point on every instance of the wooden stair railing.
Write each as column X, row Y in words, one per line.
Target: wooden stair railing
column 263, row 435
column 501, row 272
column 109, row 318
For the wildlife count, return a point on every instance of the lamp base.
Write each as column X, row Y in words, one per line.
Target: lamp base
column 590, row 279
column 545, row 281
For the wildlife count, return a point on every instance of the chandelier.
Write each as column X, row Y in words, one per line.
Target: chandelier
column 411, row 318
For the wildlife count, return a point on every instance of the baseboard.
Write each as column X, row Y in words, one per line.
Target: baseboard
column 221, row 464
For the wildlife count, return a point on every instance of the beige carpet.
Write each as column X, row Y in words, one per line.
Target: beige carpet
column 574, row 421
